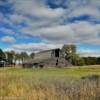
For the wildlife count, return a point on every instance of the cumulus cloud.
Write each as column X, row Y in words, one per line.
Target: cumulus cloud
column 35, row 46
column 17, row 18
column 49, row 20
column 7, row 31
column 46, row 22
column 36, row 8
column 89, row 10
column 89, row 53
column 79, row 32
column 8, row 39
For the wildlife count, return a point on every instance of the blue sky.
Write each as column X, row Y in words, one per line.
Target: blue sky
column 34, row 25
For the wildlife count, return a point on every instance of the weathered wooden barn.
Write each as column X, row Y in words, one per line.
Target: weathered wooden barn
column 48, row 58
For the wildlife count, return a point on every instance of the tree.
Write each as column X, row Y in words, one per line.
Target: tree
column 10, row 57
column 77, row 60
column 98, row 60
column 69, row 48
column 23, row 55
column 2, row 55
column 69, row 52
column 2, row 58
column 91, row 60
column 17, row 58
column 32, row 55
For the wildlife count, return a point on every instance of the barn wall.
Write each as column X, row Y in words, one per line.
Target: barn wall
column 47, row 59
column 43, row 55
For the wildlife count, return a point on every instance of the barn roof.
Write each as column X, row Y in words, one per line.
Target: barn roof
column 48, row 50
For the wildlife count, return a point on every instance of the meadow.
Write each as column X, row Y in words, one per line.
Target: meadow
column 71, row 83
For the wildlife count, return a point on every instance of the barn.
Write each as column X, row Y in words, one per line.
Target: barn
column 47, row 58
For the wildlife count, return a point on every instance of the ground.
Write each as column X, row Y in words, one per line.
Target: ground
column 49, row 83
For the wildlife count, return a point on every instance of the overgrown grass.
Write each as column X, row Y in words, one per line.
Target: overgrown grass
column 46, row 72
column 49, row 84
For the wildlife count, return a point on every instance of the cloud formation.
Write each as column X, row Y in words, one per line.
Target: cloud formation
column 69, row 33
column 55, row 22
column 8, row 39
column 89, row 52
column 36, row 46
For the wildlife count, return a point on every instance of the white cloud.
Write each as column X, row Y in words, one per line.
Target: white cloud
column 45, row 22
column 37, row 8
column 17, row 18
column 85, row 10
column 35, row 46
column 89, row 52
column 79, row 32
column 51, row 25
column 7, row 31
column 8, row 39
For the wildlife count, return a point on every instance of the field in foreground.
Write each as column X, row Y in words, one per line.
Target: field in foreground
column 75, row 83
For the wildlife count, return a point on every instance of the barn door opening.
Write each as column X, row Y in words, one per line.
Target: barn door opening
column 57, row 53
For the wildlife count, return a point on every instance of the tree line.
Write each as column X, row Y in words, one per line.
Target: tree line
column 91, row 60
column 76, row 59
column 12, row 57
column 68, row 51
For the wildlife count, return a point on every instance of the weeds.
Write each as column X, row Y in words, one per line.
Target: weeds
column 30, row 88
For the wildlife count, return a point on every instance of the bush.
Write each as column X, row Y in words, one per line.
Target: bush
column 77, row 60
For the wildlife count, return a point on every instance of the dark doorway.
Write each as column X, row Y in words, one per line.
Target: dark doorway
column 57, row 62
column 57, row 53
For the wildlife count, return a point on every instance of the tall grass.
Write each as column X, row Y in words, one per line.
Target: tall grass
column 14, row 87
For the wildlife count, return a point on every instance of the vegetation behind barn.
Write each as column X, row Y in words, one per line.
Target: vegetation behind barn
column 68, row 52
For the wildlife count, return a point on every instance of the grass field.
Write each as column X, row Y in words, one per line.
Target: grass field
column 50, row 83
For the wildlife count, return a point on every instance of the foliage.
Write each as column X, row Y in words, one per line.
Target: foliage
column 91, row 60
column 77, row 60
column 67, row 49
column 2, row 55
column 10, row 57
column 23, row 55
column 71, row 56
column 98, row 60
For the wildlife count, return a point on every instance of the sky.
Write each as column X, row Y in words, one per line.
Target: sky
column 37, row 25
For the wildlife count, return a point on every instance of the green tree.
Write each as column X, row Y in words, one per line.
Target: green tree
column 24, row 56
column 2, row 54
column 2, row 58
column 77, row 60
column 98, row 60
column 69, row 52
column 91, row 60
column 68, row 49
column 10, row 57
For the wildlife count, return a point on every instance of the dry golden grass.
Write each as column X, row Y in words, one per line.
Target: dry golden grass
column 30, row 87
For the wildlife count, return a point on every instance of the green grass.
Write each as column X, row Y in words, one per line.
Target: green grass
column 49, row 83
column 75, row 72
